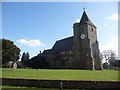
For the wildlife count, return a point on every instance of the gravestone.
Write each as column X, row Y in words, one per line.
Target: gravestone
column 14, row 66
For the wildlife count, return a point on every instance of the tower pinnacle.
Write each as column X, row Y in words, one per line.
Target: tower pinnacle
column 84, row 9
column 85, row 19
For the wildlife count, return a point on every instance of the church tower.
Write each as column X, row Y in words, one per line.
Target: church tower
column 85, row 45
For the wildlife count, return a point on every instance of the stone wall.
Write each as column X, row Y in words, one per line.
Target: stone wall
column 70, row 84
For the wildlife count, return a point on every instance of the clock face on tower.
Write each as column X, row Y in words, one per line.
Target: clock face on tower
column 82, row 36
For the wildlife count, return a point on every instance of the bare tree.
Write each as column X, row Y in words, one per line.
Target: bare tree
column 110, row 58
column 107, row 55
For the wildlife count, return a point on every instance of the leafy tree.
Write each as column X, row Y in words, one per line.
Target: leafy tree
column 10, row 52
column 25, row 58
column 105, row 65
column 0, row 53
column 119, row 64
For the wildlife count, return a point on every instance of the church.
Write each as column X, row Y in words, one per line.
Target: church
column 80, row 51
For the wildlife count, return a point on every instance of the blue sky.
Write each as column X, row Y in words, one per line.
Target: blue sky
column 35, row 27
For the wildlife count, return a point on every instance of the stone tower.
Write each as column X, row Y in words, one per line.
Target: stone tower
column 85, row 45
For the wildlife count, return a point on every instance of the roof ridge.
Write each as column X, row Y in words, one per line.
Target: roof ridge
column 64, row 38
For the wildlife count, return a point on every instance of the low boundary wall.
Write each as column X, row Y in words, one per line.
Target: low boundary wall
column 68, row 84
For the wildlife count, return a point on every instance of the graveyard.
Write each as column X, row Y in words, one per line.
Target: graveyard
column 59, row 74
column 53, row 58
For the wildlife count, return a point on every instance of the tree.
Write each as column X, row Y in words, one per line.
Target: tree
column 105, row 65
column 110, row 58
column 114, row 63
column 10, row 52
column 0, row 53
column 25, row 58
column 108, row 55
column 119, row 64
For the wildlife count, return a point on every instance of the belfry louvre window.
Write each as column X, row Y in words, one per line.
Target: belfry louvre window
column 92, row 29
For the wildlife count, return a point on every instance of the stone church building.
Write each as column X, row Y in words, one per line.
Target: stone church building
column 80, row 51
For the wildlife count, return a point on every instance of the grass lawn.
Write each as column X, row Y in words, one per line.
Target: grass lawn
column 33, row 88
column 61, row 74
column 25, row 88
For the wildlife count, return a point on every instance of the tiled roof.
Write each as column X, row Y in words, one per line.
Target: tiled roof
column 85, row 19
column 49, row 51
column 63, row 45
column 60, row 46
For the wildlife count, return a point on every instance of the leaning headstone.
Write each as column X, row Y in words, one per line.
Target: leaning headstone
column 14, row 66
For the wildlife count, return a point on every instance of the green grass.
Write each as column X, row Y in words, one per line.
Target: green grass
column 33, row 88
column 54, row 74
column 25, row 88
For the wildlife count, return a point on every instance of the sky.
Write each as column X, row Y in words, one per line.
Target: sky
column 36, row 26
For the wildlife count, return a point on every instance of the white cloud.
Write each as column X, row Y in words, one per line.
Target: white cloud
column 112, row 44
column 30, row 43
column 114, row 17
